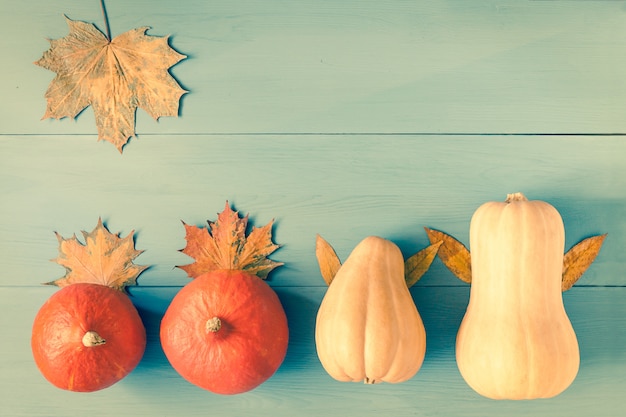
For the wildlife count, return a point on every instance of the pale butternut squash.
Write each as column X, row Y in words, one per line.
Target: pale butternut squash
column 515, row 340
column 368, row 328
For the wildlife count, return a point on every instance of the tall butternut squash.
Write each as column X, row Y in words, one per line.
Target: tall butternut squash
column 515, row 340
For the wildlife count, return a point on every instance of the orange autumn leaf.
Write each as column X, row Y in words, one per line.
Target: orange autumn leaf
column 457, row 258
column 327, row 259
column 414, row 267
column 104, row 259
column 113, row 76
column 454, row 255
column 225, row 245
column 579, row 258
column 418, row 264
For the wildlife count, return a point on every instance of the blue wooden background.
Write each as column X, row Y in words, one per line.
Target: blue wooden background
column 344, row 118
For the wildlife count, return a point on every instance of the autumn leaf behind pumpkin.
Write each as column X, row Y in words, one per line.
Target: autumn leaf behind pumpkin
column 104, row 259
column 225, row 245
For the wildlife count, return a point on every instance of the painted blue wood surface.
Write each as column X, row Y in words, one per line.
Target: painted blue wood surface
column 344, row 118
column 301, row 387
column 343, row 188
column 350, row 66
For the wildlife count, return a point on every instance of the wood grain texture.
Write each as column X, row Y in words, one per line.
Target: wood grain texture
column 301, row 387
column 340, row 117
column 344, row 188
column 350, row 66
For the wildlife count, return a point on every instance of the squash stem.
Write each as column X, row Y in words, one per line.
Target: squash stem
column 515, row 197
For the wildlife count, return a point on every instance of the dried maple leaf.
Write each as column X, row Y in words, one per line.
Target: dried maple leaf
column 113, row 76
column 104, row 259
column 224, row 245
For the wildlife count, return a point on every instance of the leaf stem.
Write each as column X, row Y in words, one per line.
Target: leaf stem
column 106, row 20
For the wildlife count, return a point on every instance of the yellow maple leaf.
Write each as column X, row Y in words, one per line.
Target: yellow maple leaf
column 113, row 76
column 104, row 259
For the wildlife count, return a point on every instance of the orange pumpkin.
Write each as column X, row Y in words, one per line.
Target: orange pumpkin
column 88, row 335
column 77, row 345
column 226, row 332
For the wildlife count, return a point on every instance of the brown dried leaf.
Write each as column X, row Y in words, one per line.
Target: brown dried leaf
column 327, row 259
column 104, row 259
column 417, row 265
column 453, row 254
column 115, row 77
column 579, row 258
column 224, row 245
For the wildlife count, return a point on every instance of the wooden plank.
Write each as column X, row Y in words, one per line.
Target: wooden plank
column 344, row 188
column 349, row 66
column 301, row 387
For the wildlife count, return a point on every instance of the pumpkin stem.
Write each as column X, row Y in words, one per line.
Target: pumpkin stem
column 213, row 325
column 92, row 338
column 515, row 197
